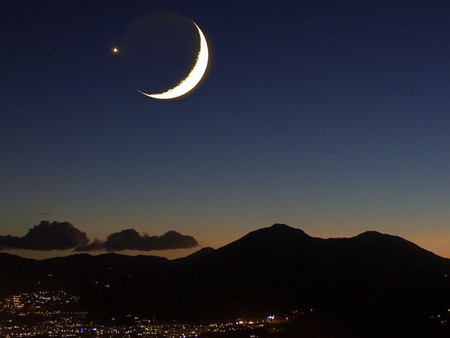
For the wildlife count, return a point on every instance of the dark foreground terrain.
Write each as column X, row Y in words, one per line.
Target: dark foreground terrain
column 371, row 285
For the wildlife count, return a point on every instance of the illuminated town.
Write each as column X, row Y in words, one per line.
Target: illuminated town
column 43, row 314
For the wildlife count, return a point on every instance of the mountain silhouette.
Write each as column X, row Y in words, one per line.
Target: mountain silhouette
column 373, row 281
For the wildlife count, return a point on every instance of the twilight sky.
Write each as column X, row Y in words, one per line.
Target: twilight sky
column 330, row 116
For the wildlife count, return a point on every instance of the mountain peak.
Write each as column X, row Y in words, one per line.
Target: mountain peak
column 280, row 226
column 371, row 234
column 276, row 232
column 375, row 235
column 284, row 228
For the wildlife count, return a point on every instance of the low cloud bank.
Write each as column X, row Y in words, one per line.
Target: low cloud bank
column 45, row 237
column 130, row 239
column 64, row 236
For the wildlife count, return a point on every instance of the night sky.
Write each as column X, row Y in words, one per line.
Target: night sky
column 330, row 116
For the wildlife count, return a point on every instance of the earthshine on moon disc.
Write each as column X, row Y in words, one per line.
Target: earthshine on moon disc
column 192, row 79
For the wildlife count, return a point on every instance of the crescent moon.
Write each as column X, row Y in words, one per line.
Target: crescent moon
column 192, row 79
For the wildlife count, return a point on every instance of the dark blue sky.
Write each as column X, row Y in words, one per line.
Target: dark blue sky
column 331, row 116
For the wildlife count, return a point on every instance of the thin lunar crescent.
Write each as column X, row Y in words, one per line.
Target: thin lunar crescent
column 192, row 79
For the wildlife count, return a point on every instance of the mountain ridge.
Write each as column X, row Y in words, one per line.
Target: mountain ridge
column 277, row 228
column 370, row 278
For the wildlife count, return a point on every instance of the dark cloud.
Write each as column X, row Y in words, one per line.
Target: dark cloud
column 130, row 239
column 47, row 236
column 95, row 245
column 63, row 236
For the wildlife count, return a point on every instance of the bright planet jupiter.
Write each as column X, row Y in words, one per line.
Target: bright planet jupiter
column 192, row 79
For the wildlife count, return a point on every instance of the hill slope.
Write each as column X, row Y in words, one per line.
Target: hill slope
column 371, row 279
